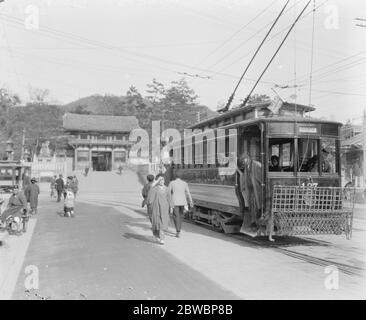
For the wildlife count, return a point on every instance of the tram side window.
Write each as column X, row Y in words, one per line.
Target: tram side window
column 281, row 151
column 329, row 156
column 308, row 155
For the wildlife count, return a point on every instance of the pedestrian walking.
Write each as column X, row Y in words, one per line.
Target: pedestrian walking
column 69, row 203
column 158, row 199
column 86, row 171
column 145, row 192
column 53, row 186
column 75, row 184
column 26, row 181
column 68, row 185
column 120, row 169
column 179, row 193
column 59, row 187
column 31, row 192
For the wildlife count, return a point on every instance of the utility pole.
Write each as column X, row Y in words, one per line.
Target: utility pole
column 23, row 143
column 364, row 147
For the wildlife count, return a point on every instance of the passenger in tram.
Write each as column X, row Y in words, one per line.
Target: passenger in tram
column 326, row 167
column 312, row 165
column 243, row 185
column 250, row 180
column 275, row 164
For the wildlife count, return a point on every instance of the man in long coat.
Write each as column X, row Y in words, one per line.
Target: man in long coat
column 31, row 193
column 59, row 187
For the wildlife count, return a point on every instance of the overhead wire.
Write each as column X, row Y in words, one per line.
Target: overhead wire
column 253, row 57
column 274, row 55
column 270, row 39
column 237, row 32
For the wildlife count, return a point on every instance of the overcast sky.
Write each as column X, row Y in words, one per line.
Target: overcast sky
column 81, row 47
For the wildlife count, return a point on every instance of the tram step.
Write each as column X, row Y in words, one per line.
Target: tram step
column 230, row 228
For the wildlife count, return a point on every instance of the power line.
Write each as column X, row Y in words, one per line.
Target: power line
column 304, row 77
column 270, row 39
column 73, row 38
column 237, row 32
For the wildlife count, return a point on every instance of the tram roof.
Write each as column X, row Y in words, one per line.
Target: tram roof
column 245, row 111
column 279, row 119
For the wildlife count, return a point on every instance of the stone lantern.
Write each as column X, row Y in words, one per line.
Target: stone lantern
column 26, row 155
column 9, row 150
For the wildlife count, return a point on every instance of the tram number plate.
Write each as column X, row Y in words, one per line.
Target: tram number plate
column 310, row 184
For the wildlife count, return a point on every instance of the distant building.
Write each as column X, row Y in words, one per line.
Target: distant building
column 97, row 141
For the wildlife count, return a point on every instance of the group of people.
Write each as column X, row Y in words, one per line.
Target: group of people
column 162, row 200
column 18, row 203
column 68, row 189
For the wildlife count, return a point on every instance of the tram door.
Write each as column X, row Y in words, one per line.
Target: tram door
column 250, row 178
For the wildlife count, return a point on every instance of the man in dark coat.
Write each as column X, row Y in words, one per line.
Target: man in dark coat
column 26, row 181
column 31, row 192
column 59, row 187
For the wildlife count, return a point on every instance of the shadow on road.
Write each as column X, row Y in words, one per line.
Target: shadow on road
column 260, row 242
column 135, row 236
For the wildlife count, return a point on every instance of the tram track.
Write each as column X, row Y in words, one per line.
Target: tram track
column 345, row 268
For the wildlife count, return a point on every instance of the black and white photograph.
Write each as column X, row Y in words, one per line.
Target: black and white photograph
column 182, row 155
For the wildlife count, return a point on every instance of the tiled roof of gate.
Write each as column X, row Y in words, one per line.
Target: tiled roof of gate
column 82, row 122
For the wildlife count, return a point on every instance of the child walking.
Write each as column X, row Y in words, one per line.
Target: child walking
column 69, row 203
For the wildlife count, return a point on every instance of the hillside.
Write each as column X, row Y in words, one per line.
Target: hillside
column 41, row 123
column 44, row 122
column 173, row 115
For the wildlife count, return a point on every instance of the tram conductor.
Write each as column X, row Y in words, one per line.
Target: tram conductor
column 178, row 192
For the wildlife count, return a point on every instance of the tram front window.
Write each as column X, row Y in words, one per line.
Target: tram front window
column 281, row 151
column 308, row 155
column 329, row 155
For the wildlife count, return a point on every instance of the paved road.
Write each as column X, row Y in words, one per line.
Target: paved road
column 107, row 252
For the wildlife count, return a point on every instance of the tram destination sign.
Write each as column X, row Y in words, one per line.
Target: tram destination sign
column 308, row 129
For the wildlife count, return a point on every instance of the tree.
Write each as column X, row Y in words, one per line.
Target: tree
column 38, row 95
column 156, row 90
column 8, row 99
column 180, row 94
column 134, row 99
column 81, row 109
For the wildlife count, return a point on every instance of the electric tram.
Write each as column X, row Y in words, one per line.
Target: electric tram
column 283, row 175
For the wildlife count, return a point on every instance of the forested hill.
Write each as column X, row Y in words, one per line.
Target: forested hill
column 172, row 115
column 175, row 107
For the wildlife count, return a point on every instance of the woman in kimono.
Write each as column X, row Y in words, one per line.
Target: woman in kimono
column 158, row 200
